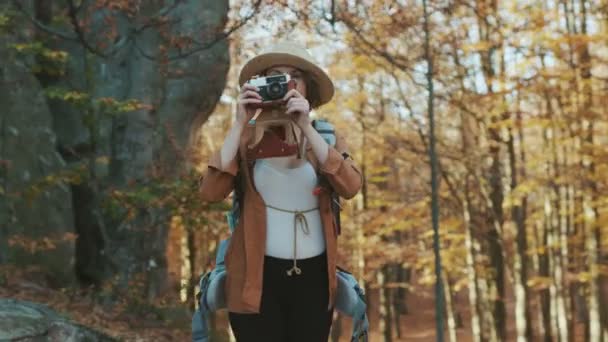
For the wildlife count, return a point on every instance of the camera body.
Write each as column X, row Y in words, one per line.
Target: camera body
column 273, row 134
column 272, row 89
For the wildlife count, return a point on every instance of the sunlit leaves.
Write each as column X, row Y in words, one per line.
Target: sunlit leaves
column 45, row 61
column 112, row 106
column 540, row 283
column 105, row 105
column 5, row 21
column 71, row 175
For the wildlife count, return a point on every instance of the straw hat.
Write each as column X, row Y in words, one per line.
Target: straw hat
column 293, row 55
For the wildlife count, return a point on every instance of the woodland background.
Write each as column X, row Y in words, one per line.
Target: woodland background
column 109, row 110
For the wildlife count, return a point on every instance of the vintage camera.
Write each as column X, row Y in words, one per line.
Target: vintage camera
column 272, row 88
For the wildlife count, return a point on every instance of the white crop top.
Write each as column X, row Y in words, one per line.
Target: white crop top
column 285, row 190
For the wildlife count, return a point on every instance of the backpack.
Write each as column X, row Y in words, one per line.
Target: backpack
column 350, row 298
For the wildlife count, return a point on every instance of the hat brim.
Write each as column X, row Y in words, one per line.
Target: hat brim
column 258, row 64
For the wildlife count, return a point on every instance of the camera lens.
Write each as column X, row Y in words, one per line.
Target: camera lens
column 274, row 90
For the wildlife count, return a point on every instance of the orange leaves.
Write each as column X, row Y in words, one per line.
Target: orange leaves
column 35, row 245
column 539, row 282
column 130, row 7
column 181, row 42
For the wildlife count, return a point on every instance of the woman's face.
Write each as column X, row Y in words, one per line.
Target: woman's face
column 296, row 74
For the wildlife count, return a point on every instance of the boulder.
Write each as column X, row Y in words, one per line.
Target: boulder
column 28, row 321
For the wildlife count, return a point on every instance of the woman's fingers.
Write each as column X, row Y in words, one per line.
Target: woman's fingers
column 296, row 109
column 297, row 101
column 249, row 100
column 249, row 91
column 250, row 94
column 292, row 93
column 297, row 105
column 248, row 86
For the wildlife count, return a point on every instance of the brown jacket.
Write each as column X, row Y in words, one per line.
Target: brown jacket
column 245, row 255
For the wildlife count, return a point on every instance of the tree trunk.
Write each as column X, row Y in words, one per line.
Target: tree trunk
column 520, row 257
column 494, row 213
column 495, row 221
column 397, row 299
column 468, row 143
column 449, row 307
column 473, row 289
column 384, row 319
column 544, row 272
column 558, row 232
column 193, row 275
column 590, row 200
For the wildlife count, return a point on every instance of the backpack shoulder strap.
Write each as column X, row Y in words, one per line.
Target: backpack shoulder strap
column 326, row 130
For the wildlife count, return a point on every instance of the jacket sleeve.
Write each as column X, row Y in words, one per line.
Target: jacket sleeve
column 341, row 171
column 216, row 184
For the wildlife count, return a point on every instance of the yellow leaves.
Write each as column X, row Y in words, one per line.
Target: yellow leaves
column 55, row 55
column 460, row 284
column 74, row 96
column 363, row 64
column 112, row 106
column 26, row 47
column 48, row 61
column 104, row 105
column 356, row 100
column 104, row 160
column 71, row 96
column 4, row 21
column 476, row 46
column 349, row 66
column 523, row 189
column 544, row 282
column 539, row 283
column 72, row 175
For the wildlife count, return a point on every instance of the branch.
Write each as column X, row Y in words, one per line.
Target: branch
column 142, row 52
column 42, row 26
column 389, row 58
column 73, row 14
column 152, row 21
column 220, row 37
column 424, row 141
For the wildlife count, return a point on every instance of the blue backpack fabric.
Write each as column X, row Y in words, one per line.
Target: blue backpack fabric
column 211, row 296
column 350, row 298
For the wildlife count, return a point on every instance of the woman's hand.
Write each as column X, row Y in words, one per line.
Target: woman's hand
column 249, row 94
column 298, row 106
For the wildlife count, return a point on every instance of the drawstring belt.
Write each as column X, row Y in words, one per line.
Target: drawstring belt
column 301, row 218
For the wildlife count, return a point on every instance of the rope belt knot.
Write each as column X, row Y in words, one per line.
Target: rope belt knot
column 298, row 217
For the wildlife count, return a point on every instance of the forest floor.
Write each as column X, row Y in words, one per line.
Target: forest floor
column 419, row 324
column 80, row 306
column 125, row 325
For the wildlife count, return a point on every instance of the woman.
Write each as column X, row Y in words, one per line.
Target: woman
column 281, row 262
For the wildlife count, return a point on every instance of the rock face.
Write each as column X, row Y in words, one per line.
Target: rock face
column 27, row 321
column 29, row 213
column 181, row 86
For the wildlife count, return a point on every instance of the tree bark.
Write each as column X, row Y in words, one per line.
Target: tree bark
column 449, row 307
column 384, row 320
column 471, row 267
column 520, row 258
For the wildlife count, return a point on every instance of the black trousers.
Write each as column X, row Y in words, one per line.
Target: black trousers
column 293, row 309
